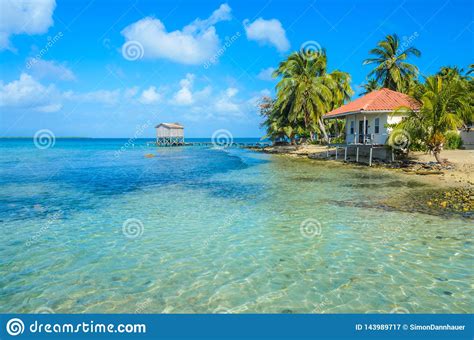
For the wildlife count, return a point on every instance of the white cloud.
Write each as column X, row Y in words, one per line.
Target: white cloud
column 184, row 96
column 225, row 102
column 49, row 69
column 220, row 14
column 204, row 103
column 254, row 101
column 50, row 108
column 150, row 96
column 28, row 93
column 24, row 17
column 266, row 74
column 267, row 32
column 224, row 106
column 106, row 97
column 194, row 44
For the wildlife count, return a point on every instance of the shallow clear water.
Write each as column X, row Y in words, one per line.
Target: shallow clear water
column 88, row 228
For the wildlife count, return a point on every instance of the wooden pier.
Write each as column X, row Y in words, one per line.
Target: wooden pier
column 210, row 144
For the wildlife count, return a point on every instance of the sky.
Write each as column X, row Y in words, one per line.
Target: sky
column 97, row 68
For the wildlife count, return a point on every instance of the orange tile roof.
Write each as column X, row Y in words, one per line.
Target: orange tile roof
column 379, row 100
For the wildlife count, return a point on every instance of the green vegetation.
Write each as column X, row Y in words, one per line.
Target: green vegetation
column 453, row 140
column 371, row 85
column 447, row 101
column 306, row 91
column 392, row 71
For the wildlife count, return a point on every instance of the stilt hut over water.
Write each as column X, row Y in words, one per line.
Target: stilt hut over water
column 168, row 134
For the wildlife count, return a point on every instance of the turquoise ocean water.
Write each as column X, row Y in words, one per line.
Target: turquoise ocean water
column 93, row 226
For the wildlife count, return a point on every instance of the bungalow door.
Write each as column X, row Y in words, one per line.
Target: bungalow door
column 361, row 130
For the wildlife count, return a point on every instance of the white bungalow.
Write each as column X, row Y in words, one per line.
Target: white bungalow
column 168, row 134
column 467, row 136
column 367, row 117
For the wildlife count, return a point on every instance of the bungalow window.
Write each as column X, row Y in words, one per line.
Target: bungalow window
column 352, row 127
column 377, row 125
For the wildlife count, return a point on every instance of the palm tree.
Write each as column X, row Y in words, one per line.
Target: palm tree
column 306, row 91
column 276, row 122
column 391, row 69
column 451, row 72
column 471, row 69
column 271, row 122
column 371, row 85
column 340, row 84
column 466, row 81
column 336, row 127
column 444, row 106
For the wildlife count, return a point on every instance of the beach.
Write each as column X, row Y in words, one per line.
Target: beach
column 162, row 162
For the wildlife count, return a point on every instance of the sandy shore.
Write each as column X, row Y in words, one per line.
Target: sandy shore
column 460, row 171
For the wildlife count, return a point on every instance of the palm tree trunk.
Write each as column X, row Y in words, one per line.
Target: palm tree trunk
column 323, row 130
column 437, row 156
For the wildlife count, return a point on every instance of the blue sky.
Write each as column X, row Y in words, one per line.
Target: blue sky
column 100, row 68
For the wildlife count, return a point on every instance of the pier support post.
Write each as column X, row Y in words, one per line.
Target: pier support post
column 370, row 156
column 393, row 156
column 336, row 152
column 357, row 155
column 345, row 154
column 327, row 152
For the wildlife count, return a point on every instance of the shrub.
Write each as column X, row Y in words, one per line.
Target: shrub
column 339, row 139
column 453, row 140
